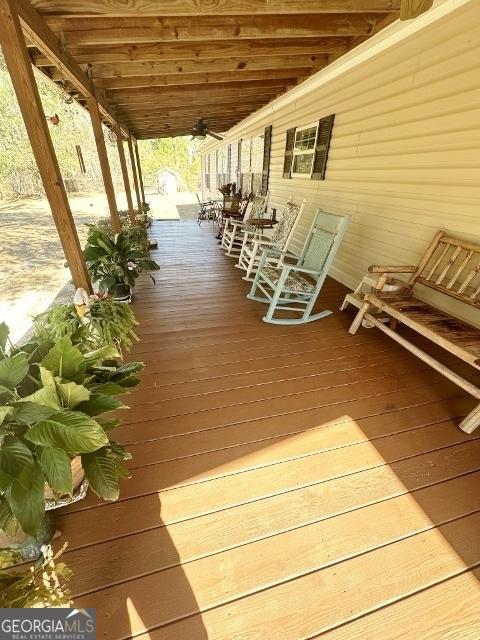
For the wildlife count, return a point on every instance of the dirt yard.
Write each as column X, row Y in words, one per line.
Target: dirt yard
column 31, row 257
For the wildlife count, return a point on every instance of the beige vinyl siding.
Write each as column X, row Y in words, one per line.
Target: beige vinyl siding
column 404, row 159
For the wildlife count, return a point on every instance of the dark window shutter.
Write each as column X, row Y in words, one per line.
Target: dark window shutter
column 239, row 166
column 267, row 145
column 218, row 178
column 322, row 145
column 287, row 164
column 229, row 162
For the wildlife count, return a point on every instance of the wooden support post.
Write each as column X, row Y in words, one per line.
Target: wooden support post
column 92, row 105
column 19, row 66
column 134, row 172
column 139, row 169
column 126, row 179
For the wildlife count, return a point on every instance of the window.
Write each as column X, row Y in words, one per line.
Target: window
column 304, row 150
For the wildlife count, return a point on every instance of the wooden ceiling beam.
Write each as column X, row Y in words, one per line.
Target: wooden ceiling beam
column 188, row 110
column 199, row 90
column 213, row 123
column 218, row 65
column 168, row 133
column 175, row 100
column 179, row 105
column 118, row 8
column 101, row 31
column 176, row 51
column 218, row 77
column 39, row 34
column 209, row 118
column 153, row 136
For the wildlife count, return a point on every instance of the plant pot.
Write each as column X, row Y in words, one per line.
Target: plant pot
column 80, row 487
column 78, row 476
column 121, row 293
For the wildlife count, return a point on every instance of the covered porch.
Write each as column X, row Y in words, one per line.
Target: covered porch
column 286, row 482
column 293, row 482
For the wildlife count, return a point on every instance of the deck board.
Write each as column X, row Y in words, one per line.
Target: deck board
column 286, row 483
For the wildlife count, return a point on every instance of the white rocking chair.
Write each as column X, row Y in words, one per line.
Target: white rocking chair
column 255, row 241
column 292, row 283
column 232, row 237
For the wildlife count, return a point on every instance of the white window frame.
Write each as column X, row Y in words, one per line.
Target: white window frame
column 301, row 153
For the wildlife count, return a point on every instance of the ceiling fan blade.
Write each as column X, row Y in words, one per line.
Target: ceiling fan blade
column 214, row 135
column 413, row 8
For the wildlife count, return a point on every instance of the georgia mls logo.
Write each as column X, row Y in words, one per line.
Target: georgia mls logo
column 47, row 624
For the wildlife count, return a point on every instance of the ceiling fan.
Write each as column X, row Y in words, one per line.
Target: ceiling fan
column 412, row 8
column 200, row 131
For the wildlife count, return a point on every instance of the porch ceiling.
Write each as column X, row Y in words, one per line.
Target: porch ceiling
column 162, row 64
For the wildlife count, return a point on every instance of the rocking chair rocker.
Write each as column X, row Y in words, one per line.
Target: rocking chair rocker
column 292, row 283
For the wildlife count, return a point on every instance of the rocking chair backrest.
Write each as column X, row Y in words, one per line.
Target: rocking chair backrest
column 286, row 227
column 243, row 206
column 323, row 241
column 258, row 206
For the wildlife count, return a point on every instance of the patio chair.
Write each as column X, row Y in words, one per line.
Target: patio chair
column 254, row 241
column 293, row 284
column 232, row 237
column 234, row 208
column 208, row 210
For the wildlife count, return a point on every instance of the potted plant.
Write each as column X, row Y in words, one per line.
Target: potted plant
column 90, row 322
column 53, row 399
column 114, row 263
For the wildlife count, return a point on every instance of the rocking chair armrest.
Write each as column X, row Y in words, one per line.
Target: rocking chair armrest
column 391, row 269
column 312, row 272
column 259, row 242
column 277, row 252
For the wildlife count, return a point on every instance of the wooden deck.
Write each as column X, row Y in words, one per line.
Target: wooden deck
column 287, row 483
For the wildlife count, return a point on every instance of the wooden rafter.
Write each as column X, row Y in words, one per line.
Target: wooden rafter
column 203, row 50
column 160, row 69
column 182, row 79
column 223, row 65
column 200, row 89
column 117, row 8
column 93, row 31
column 225, row 102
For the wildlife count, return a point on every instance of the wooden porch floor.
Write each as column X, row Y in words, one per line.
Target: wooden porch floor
column 287, row 483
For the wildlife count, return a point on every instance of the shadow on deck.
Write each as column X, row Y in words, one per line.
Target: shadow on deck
column 287, row 482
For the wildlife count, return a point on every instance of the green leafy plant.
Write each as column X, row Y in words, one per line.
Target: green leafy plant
column 43, row 584
column 114, row 261
column 106, row 322
column 52, row 404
